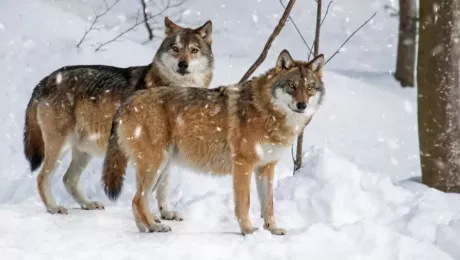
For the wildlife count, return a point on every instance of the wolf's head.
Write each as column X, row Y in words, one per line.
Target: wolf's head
column 185, row 54
column 297, row 86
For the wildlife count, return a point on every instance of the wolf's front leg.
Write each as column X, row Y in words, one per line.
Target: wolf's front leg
column 163, row 196
column 242, row 172
column 264, row 181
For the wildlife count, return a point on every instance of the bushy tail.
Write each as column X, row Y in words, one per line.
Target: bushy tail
column 34, row 149
column 115, row 162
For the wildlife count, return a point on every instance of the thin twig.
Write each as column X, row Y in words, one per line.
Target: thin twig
column 122, row 33
column 269, row 42
column 338, row 50
column 319, row 21
column 96, row 19
column 297, row 29
column 147, row 25
column 327, row 11
column 139, row 22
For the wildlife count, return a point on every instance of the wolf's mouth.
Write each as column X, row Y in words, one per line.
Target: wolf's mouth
column 298, row 111
column 183, row 72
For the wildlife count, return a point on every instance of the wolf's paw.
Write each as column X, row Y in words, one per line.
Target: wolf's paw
column 159, row 228
column 248, row 230
column 274, row 230
column 156, row 219
column 57, row 210
column 92, row 205
column 278, row 231
column 171, row 215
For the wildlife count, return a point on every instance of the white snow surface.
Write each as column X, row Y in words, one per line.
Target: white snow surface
column 357, row 196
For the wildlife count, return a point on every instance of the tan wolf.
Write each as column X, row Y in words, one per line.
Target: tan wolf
column 226, row 130
column 73, row 107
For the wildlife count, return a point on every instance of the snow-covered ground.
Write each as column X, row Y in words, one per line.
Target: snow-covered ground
column 357, row 196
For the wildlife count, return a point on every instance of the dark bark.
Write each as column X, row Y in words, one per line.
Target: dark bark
column 405, row 63
column 146, row 20
column 438, row 80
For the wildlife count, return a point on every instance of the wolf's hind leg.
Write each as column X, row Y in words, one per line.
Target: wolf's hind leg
column 163, row 196
column 53, row 149
column 146, row 173
column 72, row 180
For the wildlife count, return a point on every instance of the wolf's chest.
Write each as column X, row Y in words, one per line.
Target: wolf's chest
column 268, row 153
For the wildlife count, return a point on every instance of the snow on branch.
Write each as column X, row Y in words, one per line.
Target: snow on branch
column 93, row 26
column 269, row 42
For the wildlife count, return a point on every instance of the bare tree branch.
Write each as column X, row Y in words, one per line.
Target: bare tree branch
column 269, row 42
column 147, row 25
column 297, row 29
column 96, row 19
column 338, row 50
column 138, row 22
column 121, row 34
column 327, row 11
column 321, row 24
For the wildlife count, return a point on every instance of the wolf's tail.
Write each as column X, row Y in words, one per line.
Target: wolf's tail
column 115, row 162
column 34, row 149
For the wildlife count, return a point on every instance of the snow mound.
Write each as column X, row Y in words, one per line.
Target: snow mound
column 351, row 209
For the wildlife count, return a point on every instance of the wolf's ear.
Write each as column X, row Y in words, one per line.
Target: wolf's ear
column 205, row 31
column 317, row 64
column 284, row 61
column 171, row 27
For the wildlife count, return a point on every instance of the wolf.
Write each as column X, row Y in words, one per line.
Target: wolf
column 233, row 130
column 72, row 108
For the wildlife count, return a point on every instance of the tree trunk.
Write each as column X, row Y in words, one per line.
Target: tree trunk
column 405, row 62
column 438, row 80
column 299, row 153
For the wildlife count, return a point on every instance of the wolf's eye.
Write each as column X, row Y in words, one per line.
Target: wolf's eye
column 310, row 87
column 175, row 48
column 194, row 50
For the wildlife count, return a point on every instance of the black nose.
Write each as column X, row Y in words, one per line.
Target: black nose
column 182, row 65
column 301, row 105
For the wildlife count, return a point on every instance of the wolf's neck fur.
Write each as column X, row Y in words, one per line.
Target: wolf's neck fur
column 159, row 75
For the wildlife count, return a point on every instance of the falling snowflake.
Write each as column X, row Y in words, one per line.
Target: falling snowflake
column 137, row 131
column 94, row 136
column 58, row 78
column 259, row 150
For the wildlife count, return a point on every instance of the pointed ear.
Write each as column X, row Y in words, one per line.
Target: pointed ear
column 171, row 27
column 205, row 31
column 284, row 61
column 317, row 64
